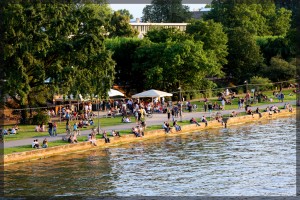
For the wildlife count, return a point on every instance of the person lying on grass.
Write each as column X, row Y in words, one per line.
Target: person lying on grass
column 193, row 121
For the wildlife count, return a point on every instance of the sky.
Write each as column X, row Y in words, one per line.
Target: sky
column 137, row 9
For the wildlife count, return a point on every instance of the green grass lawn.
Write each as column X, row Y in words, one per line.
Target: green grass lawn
column 27, row 131
column 50, row 144
column 234, row 105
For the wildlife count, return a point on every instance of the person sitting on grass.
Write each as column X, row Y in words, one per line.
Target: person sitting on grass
column 274, row 109
column 79, row 125
column 135, row 131
column 204, row 120
column 91, row 122
column 13, row 131
column 92, row 139
column 141, row 130
column 126, row 119
column 42, row 127
column 109, row 113
column 85, row 123
column 257, row 110
column 169, row 127
column 290, row 108
column 249, row 111
column 70, row 139
column 233, row 114
column 37, row 128
column 115, row 133
column 106, row 138
column 45, row 143
column 193, row 121
column 16, row 127
column 35, row 144
column 267, row 109
column 5, row 132
column 177, row 127
column 164, row 126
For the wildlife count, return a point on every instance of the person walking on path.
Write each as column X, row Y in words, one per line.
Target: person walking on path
column 168, row 113
column 173, row 114
column 205, row 107
column 54, row 129
column 50, row 128
column 156, row 120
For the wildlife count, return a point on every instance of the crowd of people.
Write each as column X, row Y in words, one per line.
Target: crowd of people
column 10, row 131
column 136, row 111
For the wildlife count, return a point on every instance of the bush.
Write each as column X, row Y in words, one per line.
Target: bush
column 40, row 118
column 263, row 83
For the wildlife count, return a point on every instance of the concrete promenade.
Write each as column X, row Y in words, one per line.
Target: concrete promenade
column 157, row 119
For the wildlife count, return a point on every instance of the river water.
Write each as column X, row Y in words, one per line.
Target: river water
column 254, row 159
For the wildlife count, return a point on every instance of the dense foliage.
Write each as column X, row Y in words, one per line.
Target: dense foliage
column 166, row 11
column 49, row 48
column 85, row 49
column 257, row 31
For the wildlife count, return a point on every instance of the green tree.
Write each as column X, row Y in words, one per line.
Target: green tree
column 280, row 23
column 123, row 54
column 119, row 26
column 213, row 37
column 258, row 18
column 125, row 12
column 244, row 59
column 42, row 42
column 273, row 46
column 260, row 83
column 166, row 64
column 166, row 11
column 93, row 66
column 157, row 35
column 280, row 70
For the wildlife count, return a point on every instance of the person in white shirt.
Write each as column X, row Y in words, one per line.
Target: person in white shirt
column 5, row 132
column 13, row 131
column 86, row 107
column 35, row 144
column 127, row 120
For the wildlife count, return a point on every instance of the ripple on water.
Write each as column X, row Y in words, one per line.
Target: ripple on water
column 256, row 159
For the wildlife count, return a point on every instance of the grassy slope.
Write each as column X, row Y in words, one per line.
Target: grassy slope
column 27, row 131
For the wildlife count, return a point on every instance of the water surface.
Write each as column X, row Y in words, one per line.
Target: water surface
column 253, row 160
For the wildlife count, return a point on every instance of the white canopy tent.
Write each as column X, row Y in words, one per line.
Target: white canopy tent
column 152, row 93
column 113, row 93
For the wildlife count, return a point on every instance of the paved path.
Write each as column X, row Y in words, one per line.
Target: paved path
column 157, row 119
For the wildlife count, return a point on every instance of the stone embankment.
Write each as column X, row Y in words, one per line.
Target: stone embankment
column 68, row 148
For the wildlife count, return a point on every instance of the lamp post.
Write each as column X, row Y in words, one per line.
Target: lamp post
column 247, row 99
column 246, row 82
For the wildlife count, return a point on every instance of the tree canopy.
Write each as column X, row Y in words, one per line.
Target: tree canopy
column 50, row 48
column 119, row 25
column 213, row 37
column 166, row 11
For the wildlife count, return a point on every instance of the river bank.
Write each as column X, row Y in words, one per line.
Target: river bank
column 83, row 146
